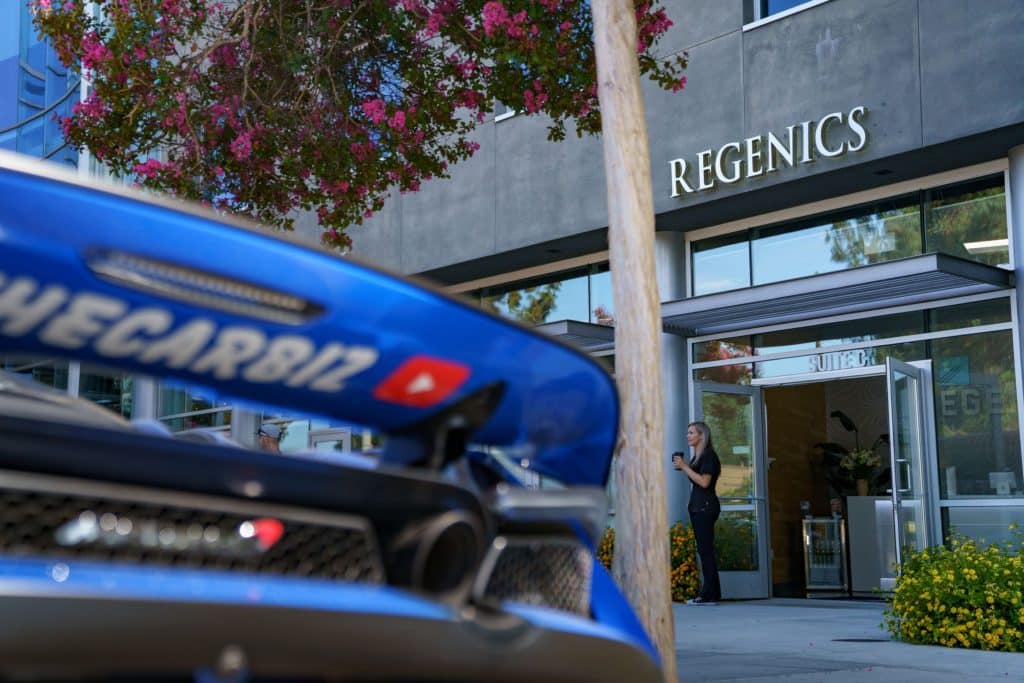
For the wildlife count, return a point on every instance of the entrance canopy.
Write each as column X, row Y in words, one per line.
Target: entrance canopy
column 913, row 280
column 586, row 336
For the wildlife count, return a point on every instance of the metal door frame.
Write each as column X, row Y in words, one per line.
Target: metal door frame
column 928, row 465
column 743, row 584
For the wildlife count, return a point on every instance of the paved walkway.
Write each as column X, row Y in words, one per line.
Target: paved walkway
column 805, row 641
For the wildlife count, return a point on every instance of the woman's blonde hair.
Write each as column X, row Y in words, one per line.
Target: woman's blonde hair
column 705, row 438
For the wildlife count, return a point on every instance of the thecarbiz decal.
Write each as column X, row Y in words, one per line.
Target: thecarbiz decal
column 151, row 335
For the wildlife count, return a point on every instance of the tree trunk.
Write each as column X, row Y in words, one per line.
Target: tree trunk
column 641, row 560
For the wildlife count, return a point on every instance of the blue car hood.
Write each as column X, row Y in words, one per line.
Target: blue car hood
column 104, row 274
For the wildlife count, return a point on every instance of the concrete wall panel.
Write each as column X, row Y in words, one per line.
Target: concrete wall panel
column 545, row 190
column 708, row 112
column 698, row 21
column 972, row 66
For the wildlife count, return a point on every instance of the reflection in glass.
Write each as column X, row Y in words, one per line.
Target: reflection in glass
column 566, row 299
column 970, row 221
column 192, row 408
column 51, row 373
column 770, row 7
column 730, row 418
column 726, row 374
column 736, row 541
column 832, row 361
column 983, row 524
column 584, row 295
column 976, row 416
column 111, row 390
column 888, row 232
column 723, row 349
column 988, row 312
column 602, row 306
column 721, row 264
column 832, row 334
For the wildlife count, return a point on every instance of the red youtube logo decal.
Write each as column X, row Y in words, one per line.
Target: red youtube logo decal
column 421, row 382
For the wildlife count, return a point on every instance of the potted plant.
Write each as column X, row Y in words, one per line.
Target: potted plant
column 845, row 469
column 862, row 464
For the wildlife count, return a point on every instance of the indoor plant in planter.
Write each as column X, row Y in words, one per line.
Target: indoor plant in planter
column 854, row 472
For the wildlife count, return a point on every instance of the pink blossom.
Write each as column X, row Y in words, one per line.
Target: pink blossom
column 91, row 107
column 495, row 17
column 241, row 146
column 375, row 110
column 679, row 85
column 149, row 168
column 397, row 120
column 434, row 23
column 94, row 51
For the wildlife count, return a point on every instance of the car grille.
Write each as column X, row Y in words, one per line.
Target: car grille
column 52, row 517
column 545, row 572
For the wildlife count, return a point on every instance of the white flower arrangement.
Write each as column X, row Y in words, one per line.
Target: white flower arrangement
column 861, row 463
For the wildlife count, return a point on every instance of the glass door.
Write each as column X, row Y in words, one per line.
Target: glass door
column 909, row 412
column 735, row 416
column 332, row 439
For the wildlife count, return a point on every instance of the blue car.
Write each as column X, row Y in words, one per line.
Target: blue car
column 129, row 554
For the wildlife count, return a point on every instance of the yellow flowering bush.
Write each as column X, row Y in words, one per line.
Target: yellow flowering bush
column 961, row 595
column 683, row 554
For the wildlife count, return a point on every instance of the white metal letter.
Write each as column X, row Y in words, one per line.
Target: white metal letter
column 857, row 128
column 819, row 136
column 720, row 170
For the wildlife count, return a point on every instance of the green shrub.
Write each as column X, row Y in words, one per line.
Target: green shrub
column 685, row 576
column 735, row 543
column 961, row 595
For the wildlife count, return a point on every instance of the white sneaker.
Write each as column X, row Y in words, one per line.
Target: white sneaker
column 700, row 601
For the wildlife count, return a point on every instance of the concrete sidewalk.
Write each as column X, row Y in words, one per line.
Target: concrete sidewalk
column 804, row 641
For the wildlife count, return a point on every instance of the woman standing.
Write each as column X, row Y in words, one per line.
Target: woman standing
column 703, row 471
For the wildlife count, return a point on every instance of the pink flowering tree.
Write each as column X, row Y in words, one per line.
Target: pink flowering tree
column 267, row 107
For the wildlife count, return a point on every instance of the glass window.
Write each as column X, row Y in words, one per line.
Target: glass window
column 730, row 416
column 112, row 391
column 726, row 374
column 969, row 220
column 819, row 336
column 723, row 349
column 31, row 138
column 976, row 416
column 49, row 372
column 561, row 300
column 602, row 306
column 736, row 541
column 721, row 264
column 584, row 294
column 192, row 407
column 839, row 360
column 966, row 220
column 770, row 7
column 983, row 524
column 858, row 238
column 976, row 313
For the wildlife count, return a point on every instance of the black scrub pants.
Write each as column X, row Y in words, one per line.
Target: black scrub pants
column 704, row 533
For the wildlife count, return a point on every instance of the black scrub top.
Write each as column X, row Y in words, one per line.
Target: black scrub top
column 705, row 499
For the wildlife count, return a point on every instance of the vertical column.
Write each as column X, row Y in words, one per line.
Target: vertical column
column 74, row 378
column 244, row 425
column 670, row 261
column 144, row 398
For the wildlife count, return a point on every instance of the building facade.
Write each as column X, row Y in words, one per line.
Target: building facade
column 839, row 198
